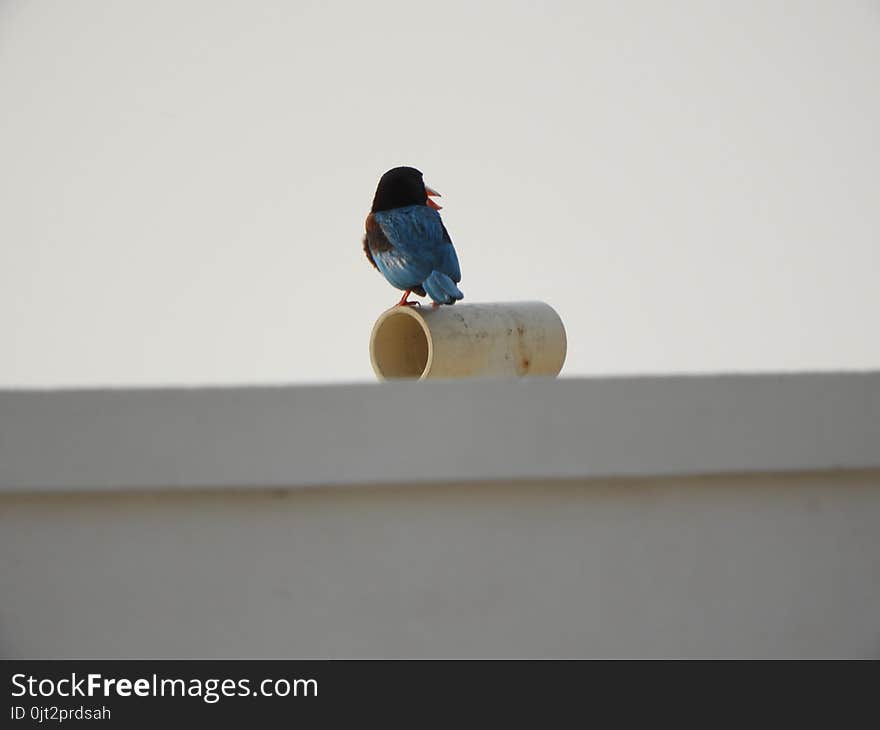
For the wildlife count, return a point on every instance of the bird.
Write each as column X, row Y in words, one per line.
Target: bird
column 407, row 242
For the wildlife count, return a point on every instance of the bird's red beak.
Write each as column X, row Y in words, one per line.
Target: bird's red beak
column 431, row 192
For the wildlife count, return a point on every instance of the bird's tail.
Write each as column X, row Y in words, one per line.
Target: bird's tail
column 441, row 288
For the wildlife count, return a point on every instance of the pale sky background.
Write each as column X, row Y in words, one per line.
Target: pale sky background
column 694, row 186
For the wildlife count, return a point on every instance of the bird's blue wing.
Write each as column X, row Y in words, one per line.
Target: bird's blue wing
column 449, row 259
column 411, row 244
column 402, row 265
column 413, row 238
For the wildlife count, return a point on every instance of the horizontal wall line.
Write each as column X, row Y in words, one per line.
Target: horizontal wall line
column 452, row 431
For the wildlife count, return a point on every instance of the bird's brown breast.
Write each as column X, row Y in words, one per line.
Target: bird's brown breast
column 375, row 239
column 368, row 252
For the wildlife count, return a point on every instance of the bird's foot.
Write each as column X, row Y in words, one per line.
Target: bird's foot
column 404, row 303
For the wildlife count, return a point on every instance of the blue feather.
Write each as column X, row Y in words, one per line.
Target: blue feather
column 441, row 288
column 419, row 252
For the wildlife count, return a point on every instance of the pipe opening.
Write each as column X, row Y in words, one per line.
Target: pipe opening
column 400, row 346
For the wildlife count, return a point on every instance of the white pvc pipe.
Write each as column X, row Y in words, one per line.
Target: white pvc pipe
column 513, row 339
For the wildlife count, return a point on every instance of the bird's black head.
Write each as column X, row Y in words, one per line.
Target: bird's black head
column 402, row 186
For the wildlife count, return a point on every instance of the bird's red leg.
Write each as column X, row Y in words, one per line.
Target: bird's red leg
column 404, row 303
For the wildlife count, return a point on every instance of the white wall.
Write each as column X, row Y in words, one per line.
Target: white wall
column 728, row 566
column 477, row 518
column 456, row 431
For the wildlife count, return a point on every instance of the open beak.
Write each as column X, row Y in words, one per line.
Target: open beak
column 431, row 192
